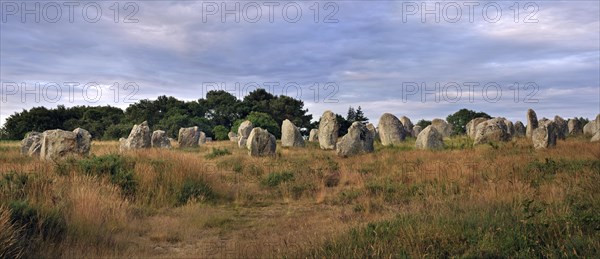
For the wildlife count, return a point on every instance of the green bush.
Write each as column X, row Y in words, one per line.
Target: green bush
column 13, row 184
column 37, row 222
column 274, row 179
column 221, row 132
column 197, row 189
column 118, row 168
column 217, row 152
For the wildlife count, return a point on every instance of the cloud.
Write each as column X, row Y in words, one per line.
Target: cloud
column 368, row 53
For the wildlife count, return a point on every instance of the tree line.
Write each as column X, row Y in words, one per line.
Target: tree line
column 216, row 115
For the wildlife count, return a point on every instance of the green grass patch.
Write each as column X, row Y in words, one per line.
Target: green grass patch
column 118, row 168
column 196, row 189
column 274, row 179
column 217, row 152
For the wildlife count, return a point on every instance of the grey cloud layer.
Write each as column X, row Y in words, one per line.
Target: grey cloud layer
column 369, row 53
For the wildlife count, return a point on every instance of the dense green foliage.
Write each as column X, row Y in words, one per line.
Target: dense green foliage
column 219, row 108
column 459, row 120
column 423, row 123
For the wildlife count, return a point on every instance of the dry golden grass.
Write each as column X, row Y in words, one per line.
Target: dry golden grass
column 304, row 201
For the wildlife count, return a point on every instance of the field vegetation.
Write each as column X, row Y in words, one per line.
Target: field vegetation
column 496, row 200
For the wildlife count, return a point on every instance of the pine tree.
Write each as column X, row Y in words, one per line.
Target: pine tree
column 360, row 116
column 351, row 117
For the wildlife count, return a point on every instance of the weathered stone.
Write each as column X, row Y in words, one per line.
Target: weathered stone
column 592, row 127
column 314, row 135
column 520, row 129
column 261, row 143
column 471, row 127
column 139, row 137
column 510, row 127
column 84, row 141
column 532, row 122
column 31, row 139
column 57, row 144
column 544, row 136
column 575, row 127
column 188, row 137
column 391, row 130
column 429, row 138
column 243, row 132
column 202, row 138
column 328, row 131
column 232, row 137
column 416, row 130
column 442, row 127
column 596, row 137
column 358, row 140
column 373, row 131
column 491, row 130
column 407, row 125
column 160, row 139
column 562, row 129
column 123, row 144
column 290, row 135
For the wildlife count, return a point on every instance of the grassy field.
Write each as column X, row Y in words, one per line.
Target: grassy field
column 496, row 200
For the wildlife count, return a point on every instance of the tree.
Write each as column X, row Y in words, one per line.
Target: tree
column 221, row 132
column 460, row 119
column 285, row 107
column 265, row 121
column 351, row 116
column 360, row 116
column 222, row 108
column 258, row 100
column 344, row 125
column 423, row 123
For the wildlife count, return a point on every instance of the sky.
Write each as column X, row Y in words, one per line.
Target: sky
column 422, row 60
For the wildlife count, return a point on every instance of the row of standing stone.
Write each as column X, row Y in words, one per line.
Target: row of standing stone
column 53, row 144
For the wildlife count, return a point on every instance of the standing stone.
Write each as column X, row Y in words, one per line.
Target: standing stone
column 510, row 127
column 328, row 131
column 31, row 139
column 358, row 140
column 232, row 137
column 160, row 139
column 407, row 124
column 592, row 127
column 373, row 131
column 532, row 122
column 202, row 138
column 290, row 135
column 574, row 126
column 429, row 138
column 243, row 132
column 416, row 130
column 57, row 144
column 188, row 137
column 562, row 129
column 123, row 144
column 261, row 143
column 491, row 130
column 520, row 130
column 391, row 130
column 139, row 137
column 471, row 127
column 314, row 135
column 84, row 141
column 596, row 137
column 442, row 127
column 544, row 136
